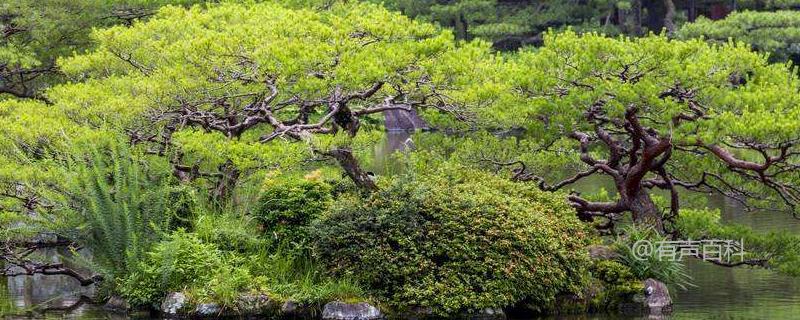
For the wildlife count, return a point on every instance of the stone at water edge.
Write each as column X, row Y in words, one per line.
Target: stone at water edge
column 654, row 301
column 256, row 304
column 207, row 310
column 338, row 310
column 289, row 307
column 657, row 297
column 117, row 304
column 488, row 314
column 293, row 309
column 173, row 303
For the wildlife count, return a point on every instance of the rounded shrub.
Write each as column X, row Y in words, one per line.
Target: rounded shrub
column 287, row 206
column 457, row 240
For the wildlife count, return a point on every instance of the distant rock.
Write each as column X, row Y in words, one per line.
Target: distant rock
column 338, row 310
column 173, row 304
column 402, row 120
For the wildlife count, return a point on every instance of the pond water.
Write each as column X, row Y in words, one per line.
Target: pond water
column 721, row 293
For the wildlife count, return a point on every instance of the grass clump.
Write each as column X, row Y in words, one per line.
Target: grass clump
column 667, row 270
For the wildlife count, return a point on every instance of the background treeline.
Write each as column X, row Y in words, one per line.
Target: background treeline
column 510, row 24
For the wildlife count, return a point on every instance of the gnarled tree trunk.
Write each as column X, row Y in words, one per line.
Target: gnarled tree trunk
column 644, row 211
column 349, row 163
column 228, row 176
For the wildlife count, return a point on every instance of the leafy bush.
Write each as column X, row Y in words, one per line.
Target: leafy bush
column 618, row 282
column 226, row 285
column 180, row 261
column 455, row 240
column 288, row 205
column 183, row 206
column 230, row 232
column 612, row 272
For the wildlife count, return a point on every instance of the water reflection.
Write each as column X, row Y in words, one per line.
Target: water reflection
column 37, row 293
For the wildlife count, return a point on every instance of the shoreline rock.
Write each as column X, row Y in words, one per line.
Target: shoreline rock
column 208, row 310
column 487, row 314
column 173, row 304
column 338, row 310
column 657, row 297
column 654, row 301
column 117, row 304
column 256, row 304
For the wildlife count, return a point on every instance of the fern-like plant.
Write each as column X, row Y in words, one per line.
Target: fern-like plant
column 123, row 209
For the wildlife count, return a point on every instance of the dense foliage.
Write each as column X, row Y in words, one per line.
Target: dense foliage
column 233, row 85
column 652, row 266
column 122, row 209
column 455, row 241
column 618, row 282
column 287, row 207
column 649, row 113
column 34, row 33
column 222, row 149
column 511, row 24
column 180, row 261
column 775, row 32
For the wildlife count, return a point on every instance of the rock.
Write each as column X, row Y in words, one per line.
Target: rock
column 294, row 309
column 488, row 314
column 117, row 304
column 45, row 238
column 657, row 297
column 338, row 310
column 601, row 252
column 654, row 300
column 289, row 307
column 207, row 310
column 256, row 304
column 90, row 292
column 173, row 303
